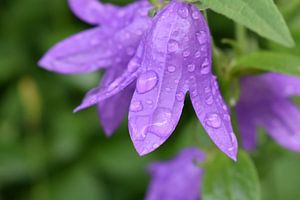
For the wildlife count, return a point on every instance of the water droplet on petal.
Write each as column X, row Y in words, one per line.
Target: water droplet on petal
column 171, row 68
column 209, row 100
column 136, row 106
column 196, row 15
column 226, row 117
column 213, row 120
column 146, row 82
column 207, row 90
column 183, row 12
column 180, row 96
column 197, row 54
column 150, row 102
column 191, row 67
column 186, row 53
column 168, row 89
column 205, row 69
column 173, row 46
column 162, row 125
column 202, row 37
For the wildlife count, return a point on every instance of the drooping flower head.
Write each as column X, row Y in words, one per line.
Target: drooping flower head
column 265, row 103
column 177, row 179
column 111, row 44
column 174, row 57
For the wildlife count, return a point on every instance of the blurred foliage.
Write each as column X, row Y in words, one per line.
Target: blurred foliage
column 46, row 152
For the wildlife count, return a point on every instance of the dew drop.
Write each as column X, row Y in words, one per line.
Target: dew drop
column 196, row 15
column 150, row 102
column 191, row 67
column 136, row 106
column 183, row 12
column 209, row 100
column 201, row 36
column 186, row 53
column 205, row 69
column 197, row 54
column 171, row 68
column 146, row 82
column 213, row 120
column 168, row 89
column 173, row 46
column 226, row 117
column 180, row 96
column 162, row 119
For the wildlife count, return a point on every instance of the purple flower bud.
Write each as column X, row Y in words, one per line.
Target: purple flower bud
column 265, row 103
column 173, row 57
column 177, row 179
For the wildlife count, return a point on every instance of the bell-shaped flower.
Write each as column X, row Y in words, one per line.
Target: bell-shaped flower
column 111, row 44
column 177, row 179
column 174, row 57
column 265, row 102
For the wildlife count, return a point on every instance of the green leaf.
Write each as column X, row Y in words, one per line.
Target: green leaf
column 269, row 61
column 227, row 180
column 261, row 16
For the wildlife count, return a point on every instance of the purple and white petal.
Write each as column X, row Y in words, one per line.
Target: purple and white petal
column 177, row 179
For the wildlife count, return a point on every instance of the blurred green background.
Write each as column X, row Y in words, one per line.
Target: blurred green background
column 47, row 152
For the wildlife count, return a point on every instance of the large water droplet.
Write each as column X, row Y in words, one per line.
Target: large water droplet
column 162, row 125
column 136, row 106
column 171, row 68
column 146, row 82
column 213, row 120
column 180, row 96
column 202, row 37
column 173, row 46
column 205, row 69
column 191, row 67
column 183, row 12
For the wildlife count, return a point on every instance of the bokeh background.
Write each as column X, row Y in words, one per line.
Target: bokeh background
column 47, row 152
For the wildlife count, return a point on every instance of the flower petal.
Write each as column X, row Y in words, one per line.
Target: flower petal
column 93, row 12
column 101, row 93
column 111, row 111
column 177, row 179
column 247, row 126
column 203, row 87
column 281, row 119
column 81, row 53
column 158, row 100
column 213, row 114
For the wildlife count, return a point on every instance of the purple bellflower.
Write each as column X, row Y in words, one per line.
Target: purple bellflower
column 177, row 179
column 110, row 46
column 174, row 57
column 265, row 103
